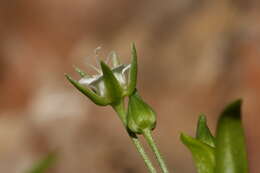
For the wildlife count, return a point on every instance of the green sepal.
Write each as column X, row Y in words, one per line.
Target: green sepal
column 43, row 165
column 113, row 88
column 203, row 133
column 140, row 116
column 133, row 71
column 88, row 92
column 231, row 154
column 203, row 154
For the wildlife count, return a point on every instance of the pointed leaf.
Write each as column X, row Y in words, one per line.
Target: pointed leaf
column 88, row 92
column 114, row 90
column 203, row 154
column 231, row 154
column 203, row 133
column 133, row 71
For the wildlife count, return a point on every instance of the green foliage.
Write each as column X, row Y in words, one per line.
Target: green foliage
column 113, row 88
column 133, row 71
column 43, row 165
column 101, row 101
column 230, row 141
column 202, row 147
column 203, row 133
column 203, row 154
column 227, row 152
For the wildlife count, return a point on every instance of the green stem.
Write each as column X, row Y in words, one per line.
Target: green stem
column 143, row 154
column 149, row 138
column 120, row 110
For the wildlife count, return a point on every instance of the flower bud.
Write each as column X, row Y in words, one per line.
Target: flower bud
column 140, row 116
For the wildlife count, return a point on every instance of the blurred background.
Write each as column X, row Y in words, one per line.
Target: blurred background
column 194, row 56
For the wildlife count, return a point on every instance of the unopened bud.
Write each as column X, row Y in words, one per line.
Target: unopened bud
column 140, row 115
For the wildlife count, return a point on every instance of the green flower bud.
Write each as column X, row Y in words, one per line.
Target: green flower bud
column 140, row 116
column 111, row 85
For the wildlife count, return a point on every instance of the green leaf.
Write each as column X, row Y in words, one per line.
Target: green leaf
column 114, row 90
column 203, row 154
column 231, row 154
column 203, row 133
column 133, row 71
column 88, row 92
column 44, row 164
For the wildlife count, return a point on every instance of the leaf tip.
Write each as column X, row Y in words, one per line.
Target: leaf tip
column 184, row 138
column 202, row 119
column 233, row 109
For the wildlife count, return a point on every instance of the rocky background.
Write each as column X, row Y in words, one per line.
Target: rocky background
column 194, row 56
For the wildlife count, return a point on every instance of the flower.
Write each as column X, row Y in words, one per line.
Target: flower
column 111, row 85
column 96, row 82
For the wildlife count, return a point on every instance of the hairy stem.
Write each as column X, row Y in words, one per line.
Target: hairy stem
column 120, row 110
column 149, row 138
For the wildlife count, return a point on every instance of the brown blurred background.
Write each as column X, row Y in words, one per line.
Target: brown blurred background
column 194, row 56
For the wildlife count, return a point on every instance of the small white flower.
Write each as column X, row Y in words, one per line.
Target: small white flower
column 96, row 82
column 110, row 85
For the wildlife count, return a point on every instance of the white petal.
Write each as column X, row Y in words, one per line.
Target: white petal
column 115, row 60
column 89, row 80
column 126, row 68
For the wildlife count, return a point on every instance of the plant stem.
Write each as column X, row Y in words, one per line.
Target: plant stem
column 120, row 110
column 149, row 138
column 143, row 154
